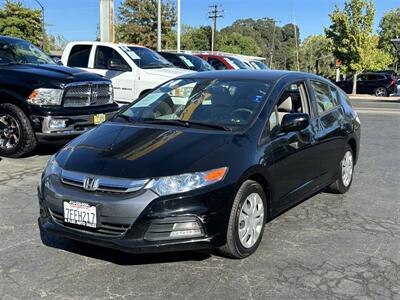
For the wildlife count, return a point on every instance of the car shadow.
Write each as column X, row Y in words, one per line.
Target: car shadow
column 119, row 257
column 47, row 149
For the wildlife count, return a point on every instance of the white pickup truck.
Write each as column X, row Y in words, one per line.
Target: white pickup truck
column 133, row 69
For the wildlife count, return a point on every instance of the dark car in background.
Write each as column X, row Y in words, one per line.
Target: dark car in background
column 220, row 62
column 41, row 101
column 379, row 84
column 187, row 61
column 202, row 162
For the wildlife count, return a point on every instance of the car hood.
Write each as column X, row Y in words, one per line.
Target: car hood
column 141, row 151
column 58, row 73
column 167, row 72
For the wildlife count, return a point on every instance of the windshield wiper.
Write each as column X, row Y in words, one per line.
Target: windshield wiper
column 182, row 123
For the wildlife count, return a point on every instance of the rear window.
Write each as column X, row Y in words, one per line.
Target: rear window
column 79, row 56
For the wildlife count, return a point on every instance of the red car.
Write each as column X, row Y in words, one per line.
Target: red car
column 220, row 62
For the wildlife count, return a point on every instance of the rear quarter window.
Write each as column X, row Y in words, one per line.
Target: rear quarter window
column 79, row 56
column 326, row 96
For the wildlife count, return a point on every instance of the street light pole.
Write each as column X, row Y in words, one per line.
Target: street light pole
column 178, row 38
column 159, row 26
column 43, row 26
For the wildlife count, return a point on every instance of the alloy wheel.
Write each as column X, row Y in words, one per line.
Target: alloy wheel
column 10, row 132
column 380, row 92
column 347, row 168
column 251, row 220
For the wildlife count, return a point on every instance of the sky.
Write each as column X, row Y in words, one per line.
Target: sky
column 78, row 19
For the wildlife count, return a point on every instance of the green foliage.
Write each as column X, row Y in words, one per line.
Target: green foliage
column 237, row 43
column 373, row 58
column 316, row 57
column 192, row 38
column 57, row 42
column 350, row 32
column 19, row 21
column 137, row 21
column 389, row 28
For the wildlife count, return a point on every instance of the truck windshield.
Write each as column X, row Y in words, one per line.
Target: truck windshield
column 21, row 52
column 146, row 58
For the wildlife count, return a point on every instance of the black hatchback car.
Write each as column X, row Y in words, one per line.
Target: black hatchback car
column 202, row 162
column 380, row 84
column 187, row 61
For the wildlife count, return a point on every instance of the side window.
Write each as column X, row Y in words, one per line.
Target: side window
column 175, row 61
column 217, row 64
column 106, row 54
column 273, row 123
column 79, row 56
column 324, row 96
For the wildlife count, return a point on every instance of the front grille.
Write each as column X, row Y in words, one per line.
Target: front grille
column 105, row 228
column 102, row 184
column 87, row 94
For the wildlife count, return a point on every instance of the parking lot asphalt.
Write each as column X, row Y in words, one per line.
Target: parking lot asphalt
column 327, row 247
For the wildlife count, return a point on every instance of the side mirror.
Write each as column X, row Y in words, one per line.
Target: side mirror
column 294, row 122
column 116, row 65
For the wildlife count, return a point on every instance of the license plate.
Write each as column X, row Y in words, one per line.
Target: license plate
column 98, row 119
column 80, row 213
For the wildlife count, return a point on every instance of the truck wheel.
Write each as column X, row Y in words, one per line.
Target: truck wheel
column 16, row 134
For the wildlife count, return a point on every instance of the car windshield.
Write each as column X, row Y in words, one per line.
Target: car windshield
column 195, row 63
column 146, row 58
column 259, row 65
column 21, row 52
column 236, row 63
column 227, row 104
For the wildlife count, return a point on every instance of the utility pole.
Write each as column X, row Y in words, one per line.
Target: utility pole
column 215, row 11
column 107, row 33
column 43, row 25
column 271, row 52
column 159, row 26
column 178, row 39
column 297, row 46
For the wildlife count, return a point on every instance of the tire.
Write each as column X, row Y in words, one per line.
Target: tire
column 381, row 92
column 24, row 139
column 234, row 247
column 342, row 183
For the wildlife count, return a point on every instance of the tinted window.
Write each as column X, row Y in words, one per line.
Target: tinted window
column 172, row 58
column 79, row 56
column 236, row 63
column 375, row 77
column 21, row 52
column 217, row 64
column 195, row 63
column 104, row 55
column 325, row 95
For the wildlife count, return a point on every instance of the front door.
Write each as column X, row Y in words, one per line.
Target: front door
column 123, row 81
column 293, row 167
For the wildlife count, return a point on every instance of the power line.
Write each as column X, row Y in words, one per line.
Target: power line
column 214, row 12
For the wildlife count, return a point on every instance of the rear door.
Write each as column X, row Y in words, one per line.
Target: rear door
column 123, row 81
column 331, row 128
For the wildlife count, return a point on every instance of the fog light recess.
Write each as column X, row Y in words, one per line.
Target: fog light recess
column 174, row 228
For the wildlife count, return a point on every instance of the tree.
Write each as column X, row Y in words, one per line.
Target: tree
column 192, row 38
column 237, row 43
column 389, row 28
column 350, row 32
column 315, row 55
column 57, row 42
column 19, row 21
column 373, row 58
column 137, row 21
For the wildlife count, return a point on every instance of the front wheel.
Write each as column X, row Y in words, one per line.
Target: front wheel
column 381, row 92
column 16, row 134
column 345, row 173
column 246, row 222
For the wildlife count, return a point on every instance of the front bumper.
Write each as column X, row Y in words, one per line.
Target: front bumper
column 127, row 222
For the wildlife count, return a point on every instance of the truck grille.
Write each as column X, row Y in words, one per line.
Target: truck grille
column 88, row 94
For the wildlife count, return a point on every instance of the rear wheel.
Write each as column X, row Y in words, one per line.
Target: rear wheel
column 247, row 221
column 345, row 173
column 16, row 134
column 381, row 92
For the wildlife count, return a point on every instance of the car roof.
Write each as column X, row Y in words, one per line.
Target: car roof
column 5, row 38
column 267, row 75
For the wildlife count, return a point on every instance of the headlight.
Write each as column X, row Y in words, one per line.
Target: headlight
column 52, row 168
column 46, row 97
column 186, row 182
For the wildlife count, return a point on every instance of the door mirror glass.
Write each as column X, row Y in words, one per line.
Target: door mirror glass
column 294, row 122
column 116, row 65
